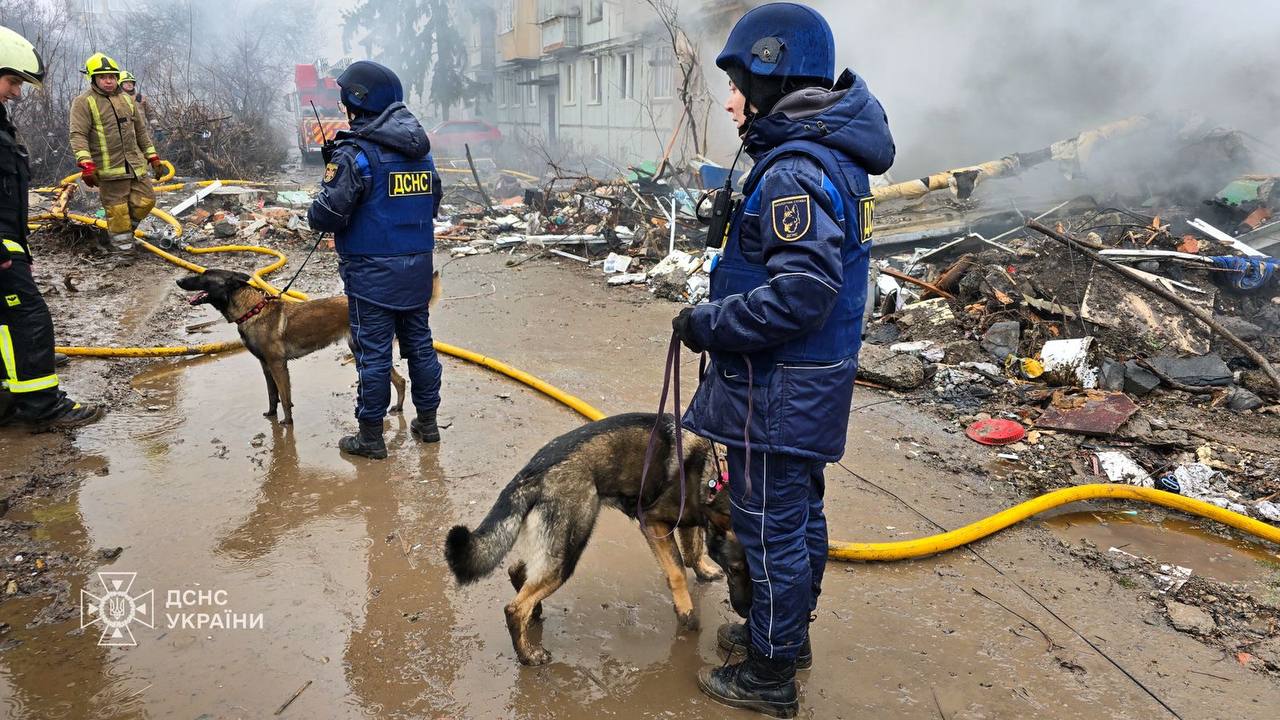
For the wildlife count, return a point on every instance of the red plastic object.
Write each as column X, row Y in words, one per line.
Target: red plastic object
column 996, row 431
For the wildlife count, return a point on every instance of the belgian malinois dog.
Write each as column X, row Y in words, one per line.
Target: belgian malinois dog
column 546, row 514
column 276, row 332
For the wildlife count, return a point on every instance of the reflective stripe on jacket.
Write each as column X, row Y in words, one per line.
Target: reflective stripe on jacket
column 110, row 131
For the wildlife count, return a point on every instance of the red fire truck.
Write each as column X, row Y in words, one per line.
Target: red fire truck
column 309, row 87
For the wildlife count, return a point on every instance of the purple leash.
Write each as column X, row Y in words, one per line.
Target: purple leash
column 671, row 370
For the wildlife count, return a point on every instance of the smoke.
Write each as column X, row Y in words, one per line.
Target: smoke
column 972, row 81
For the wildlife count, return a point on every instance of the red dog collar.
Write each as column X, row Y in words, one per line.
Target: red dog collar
column 254, row 310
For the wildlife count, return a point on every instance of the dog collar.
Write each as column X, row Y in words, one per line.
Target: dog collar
column 255, row 310
column 716, row 484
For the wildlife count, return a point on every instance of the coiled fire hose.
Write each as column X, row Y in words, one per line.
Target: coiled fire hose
column 845, row 551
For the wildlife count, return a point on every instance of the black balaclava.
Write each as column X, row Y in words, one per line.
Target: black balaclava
column 764, row 91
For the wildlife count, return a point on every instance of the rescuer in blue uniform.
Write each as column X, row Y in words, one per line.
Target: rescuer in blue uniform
column 783, row 328
column 379, row 199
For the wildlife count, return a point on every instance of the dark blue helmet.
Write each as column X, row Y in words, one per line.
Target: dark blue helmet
column 784, row 42
column 370, row 87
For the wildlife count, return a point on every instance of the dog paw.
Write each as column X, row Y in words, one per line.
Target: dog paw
column 689, row 621
column 397, row 410
column 536, row 657
column 269, row 414
column 708, row 574
column 287, row 421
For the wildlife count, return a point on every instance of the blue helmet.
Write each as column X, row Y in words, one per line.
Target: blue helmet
column 784, row 42
column 370, row 87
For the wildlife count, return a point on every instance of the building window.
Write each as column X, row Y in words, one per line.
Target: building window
column 627, row 75
column 569, row 83
column 597, row 11
column 500, row 91
column 531, row 95
column 597, row 80
column 664, row 76
column 506, row 16
column 513, row 91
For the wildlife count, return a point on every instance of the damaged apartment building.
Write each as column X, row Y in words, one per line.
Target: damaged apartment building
column 595, row 77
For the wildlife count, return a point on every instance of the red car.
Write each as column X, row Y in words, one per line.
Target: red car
column 449, row 138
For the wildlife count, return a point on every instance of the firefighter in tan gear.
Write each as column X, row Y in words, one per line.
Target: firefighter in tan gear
column 113, row 148
column 129, row 85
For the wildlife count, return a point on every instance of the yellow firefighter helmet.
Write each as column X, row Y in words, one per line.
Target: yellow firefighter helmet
column 19, row 57
column 100, row 64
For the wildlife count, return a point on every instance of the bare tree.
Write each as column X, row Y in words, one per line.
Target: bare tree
column 691, row 89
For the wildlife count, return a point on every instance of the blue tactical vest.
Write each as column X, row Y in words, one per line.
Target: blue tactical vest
column 397, row 214
column 800, row 391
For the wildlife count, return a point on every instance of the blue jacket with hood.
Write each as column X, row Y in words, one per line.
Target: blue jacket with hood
column 379, row 199
column 784, row 318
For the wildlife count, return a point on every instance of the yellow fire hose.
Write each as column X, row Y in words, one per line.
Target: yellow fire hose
column 935, row 544
column 258, row 279
column 206, row 183
column 849, row 552
column 170, row 171
column 151, row 352
column 555, row 393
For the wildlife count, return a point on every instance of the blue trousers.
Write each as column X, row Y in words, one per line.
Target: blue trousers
column 373, row 329
column 781, row 525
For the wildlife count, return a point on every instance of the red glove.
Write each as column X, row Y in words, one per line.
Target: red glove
column 157, row 169
column 88, row 173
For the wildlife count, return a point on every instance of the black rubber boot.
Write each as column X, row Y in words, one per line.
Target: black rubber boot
column 69, row 414
column 59, row 359
column 736, row 638
column 757, row 683
column 424, row 428
column 367, row 443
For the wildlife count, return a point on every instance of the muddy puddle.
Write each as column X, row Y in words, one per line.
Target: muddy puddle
column 318, row 568
column 1168, row 539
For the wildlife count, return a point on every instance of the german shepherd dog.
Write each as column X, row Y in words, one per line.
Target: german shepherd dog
column 276, row 332
column 546, row 514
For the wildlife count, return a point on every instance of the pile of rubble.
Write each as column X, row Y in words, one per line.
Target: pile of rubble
column 631, row 229
column 1111, row 343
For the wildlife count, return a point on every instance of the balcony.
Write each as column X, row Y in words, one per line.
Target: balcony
column 561, row 33
column 551, row 10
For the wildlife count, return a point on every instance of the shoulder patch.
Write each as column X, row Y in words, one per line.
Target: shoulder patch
column 330, row 172
column 792, row 217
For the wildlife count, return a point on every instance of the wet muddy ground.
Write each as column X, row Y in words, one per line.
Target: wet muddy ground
column 341, row 559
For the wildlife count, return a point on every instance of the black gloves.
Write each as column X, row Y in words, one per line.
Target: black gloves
column 682, row 325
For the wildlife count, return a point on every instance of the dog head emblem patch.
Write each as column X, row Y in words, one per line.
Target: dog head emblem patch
column 791, row 217
column 330, row 172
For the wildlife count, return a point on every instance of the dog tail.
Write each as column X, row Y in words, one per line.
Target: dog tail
column 473, row 554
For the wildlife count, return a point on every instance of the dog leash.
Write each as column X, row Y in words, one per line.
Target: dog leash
column 672, row 370
column 302, row 266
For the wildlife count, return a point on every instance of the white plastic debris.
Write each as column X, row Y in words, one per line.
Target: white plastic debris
column 1069, row 362
column 699, row 287
column 1201, row 482
column 507, row 222
column 678, row 259
column 1268, row 510
column 926, row 349
column 1120, row 468
column 627, row 279
column 616, row 263
column 1171, row 578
